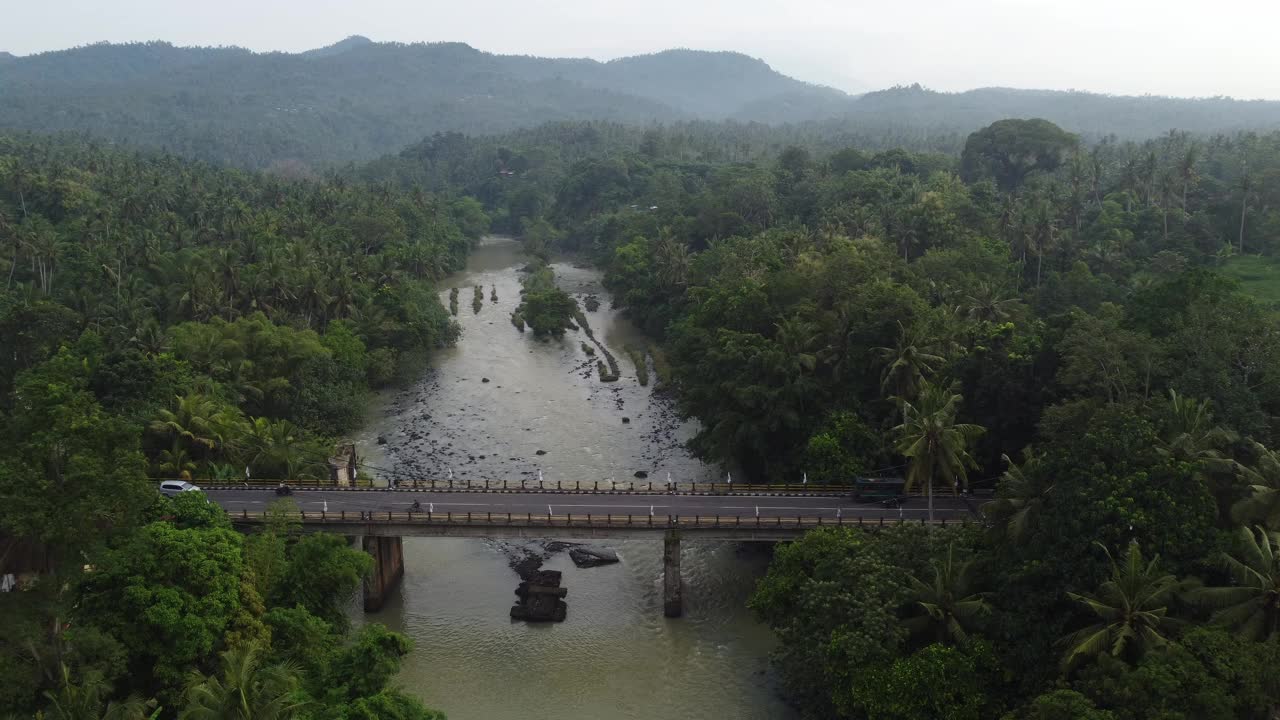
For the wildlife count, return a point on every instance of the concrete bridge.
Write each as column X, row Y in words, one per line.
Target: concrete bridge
column 381, row 517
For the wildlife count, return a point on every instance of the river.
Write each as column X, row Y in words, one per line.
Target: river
column 615, row 656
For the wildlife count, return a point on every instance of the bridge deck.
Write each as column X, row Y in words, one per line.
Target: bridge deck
column 491, row 524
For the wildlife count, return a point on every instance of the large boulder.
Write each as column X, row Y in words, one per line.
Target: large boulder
column 585, row 556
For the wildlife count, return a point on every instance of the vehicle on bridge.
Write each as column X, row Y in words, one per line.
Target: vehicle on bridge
column 170, row 488
column 887, row 491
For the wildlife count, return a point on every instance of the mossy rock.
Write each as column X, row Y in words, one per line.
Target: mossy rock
column 588, row 349
column 605, row 375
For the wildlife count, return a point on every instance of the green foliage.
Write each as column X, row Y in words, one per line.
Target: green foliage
column 168, row 594
column 321, row 574
column 1132, row 608
column 936, row 681
column 73, row 473
column 1061, row 705
column 1207, row 675
column 243, row 689
column 1010, row 150
column 546, row 308
column 840, row 450
column 833, row 598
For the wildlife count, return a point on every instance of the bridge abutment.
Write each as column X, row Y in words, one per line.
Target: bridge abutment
column 672, row 589
column 388, row 569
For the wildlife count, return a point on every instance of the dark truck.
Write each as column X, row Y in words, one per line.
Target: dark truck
column 889, row 492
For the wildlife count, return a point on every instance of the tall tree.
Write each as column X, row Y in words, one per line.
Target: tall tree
column 1132, row 607
column 1251, row 604
column 244, row 689
column 935, row 445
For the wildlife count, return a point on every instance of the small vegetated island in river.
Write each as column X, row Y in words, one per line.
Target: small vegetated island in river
column 1070, row 334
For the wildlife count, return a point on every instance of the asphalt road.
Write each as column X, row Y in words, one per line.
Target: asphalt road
column 596, row 504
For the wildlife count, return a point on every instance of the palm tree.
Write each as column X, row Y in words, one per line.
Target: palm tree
column 935, row 445
column 191, row 419
column 1132, row 607
column 1187, row 171
column 907, row 364
column 986, row 305
column 1191, row 435
column 176, row 462
column 1263, row 478
column 85, row 701
column 1251, row 606
column 948, row 608
column 279, row 445
column 1246, row 185
column 244, row 689
column 1023, row 492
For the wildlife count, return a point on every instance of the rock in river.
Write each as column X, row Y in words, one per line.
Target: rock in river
column 585, row 556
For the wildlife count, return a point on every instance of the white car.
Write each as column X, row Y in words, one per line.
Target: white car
column 173, row 487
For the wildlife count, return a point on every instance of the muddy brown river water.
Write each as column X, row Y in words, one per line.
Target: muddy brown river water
column 615, row 656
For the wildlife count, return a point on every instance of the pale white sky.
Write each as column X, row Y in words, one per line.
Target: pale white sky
column 1172, row 47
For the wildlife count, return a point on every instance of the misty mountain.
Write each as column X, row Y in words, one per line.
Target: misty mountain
column 1090, row 114
column 358, row 99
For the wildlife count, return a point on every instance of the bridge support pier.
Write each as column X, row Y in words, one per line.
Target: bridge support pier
column 388, row 569
column 672, row 591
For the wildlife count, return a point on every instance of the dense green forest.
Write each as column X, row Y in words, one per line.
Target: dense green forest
column 1090, row 331
column 169, row 319
column 356, row 100
column 1088, row 328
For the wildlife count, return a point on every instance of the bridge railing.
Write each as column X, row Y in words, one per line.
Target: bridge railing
column 577, row 520
column 562, row 486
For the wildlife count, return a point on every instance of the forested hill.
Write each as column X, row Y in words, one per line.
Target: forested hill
column 1091, row 114
column 357, row 99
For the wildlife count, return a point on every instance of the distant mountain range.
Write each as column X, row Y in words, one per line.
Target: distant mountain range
column 357, row 99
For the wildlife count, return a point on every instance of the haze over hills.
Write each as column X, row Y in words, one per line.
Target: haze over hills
column 357, row 99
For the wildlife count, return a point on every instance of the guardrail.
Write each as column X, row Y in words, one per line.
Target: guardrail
column 561, row 486
column 622, row 522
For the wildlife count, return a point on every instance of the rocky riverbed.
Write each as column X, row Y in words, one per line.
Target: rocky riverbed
column 503, row 405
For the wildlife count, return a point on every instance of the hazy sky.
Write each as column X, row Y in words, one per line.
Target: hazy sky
column 1173, row 47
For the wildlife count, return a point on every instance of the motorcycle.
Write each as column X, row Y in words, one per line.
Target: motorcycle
column 283, row 489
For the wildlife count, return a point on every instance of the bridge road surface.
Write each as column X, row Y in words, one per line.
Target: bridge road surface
column 546, row 503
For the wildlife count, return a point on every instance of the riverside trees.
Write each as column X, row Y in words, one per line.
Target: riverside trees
column 1066, row 292
column 172, row 319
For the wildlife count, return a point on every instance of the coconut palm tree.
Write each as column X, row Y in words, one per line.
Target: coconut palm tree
column 946, row 609
column 176, row 462
column 279, row 445
column 1191, row 435
column 1023, row 492
column 1132, row 608
column 908, row 364
column 986, row 305
column 1251, row 605
column 1263, row 478
column 244, row 689
column 191, row 420
column 935, row 445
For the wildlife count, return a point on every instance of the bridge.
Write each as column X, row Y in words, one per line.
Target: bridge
column 380, row 517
